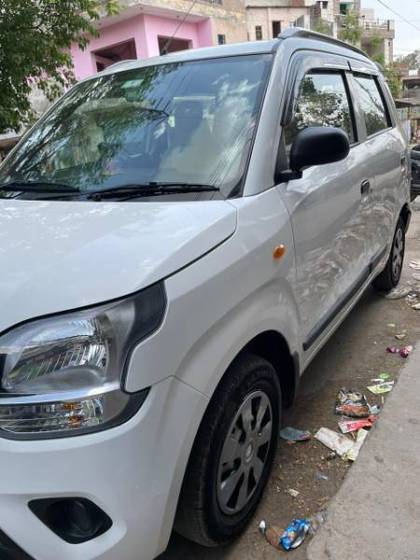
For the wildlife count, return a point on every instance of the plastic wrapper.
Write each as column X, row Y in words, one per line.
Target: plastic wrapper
column 406, row 351
column 336, row 442
column 348, row 425
column 381, row 388
column 293, row 434
column 295, row 534
column 354, row 451
column 352, row 403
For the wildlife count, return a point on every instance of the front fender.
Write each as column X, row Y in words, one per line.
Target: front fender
column 220, row 302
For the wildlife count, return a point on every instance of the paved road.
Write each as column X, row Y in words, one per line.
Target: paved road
column 354, row 355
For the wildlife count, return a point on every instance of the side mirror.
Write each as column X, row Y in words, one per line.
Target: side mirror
column 317, row 145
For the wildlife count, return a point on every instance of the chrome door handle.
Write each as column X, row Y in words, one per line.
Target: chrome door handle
column 365, row 187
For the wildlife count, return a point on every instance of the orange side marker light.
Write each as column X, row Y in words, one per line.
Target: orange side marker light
column 279, row 251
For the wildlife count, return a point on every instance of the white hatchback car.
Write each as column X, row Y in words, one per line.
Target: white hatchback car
column 178, row 238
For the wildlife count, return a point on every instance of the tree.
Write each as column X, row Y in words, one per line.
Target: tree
column 322, row 26
column 35, row 37
column 393, row 79
column 412, row 60
column 351, row 30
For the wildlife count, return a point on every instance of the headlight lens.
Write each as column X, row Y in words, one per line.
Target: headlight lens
column 62, row 375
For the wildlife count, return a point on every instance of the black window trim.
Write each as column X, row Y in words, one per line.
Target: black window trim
column 388, row 113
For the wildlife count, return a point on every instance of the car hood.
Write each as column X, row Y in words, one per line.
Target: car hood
column 61, row 255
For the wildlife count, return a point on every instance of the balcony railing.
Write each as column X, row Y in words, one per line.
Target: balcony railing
column 377, row 24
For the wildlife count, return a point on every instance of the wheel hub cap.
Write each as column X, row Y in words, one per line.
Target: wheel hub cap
column 244, row 453
column 397, row 254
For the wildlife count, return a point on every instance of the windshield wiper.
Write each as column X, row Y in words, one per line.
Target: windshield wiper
column 150, row 189
column 159, row 112
column 38, row 186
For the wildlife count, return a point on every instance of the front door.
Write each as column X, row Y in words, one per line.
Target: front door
column 329, row 225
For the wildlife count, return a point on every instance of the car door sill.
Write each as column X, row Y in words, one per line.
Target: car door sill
column 343, row 301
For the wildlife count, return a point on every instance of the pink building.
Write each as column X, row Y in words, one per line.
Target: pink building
column 143, row 30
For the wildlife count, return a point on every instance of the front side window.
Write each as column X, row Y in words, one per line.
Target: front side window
column 372, row 104
column 322, row 101
column 189, row 122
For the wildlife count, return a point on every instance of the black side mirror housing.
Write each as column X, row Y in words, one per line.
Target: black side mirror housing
column 316, row 145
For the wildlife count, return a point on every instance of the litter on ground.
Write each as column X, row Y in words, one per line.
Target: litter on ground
column 293, row 434
column 399, row 293
column 338, row 443
column 321, row 476
column 289, row 539
column 348, row 425
column 316, row 521
column 416, row 307
column 381, row 388
column 354, row 451
column 403, row 352
column 352, row 403
column 415, row 265
column 292, row 492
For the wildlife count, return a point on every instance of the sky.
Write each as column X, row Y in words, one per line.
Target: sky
column 407, row 37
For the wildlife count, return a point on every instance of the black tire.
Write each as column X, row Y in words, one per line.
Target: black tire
column 201, row 516
column 389, row 278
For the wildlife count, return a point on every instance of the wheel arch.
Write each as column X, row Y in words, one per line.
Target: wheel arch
column 273, row 347
column 405, row 215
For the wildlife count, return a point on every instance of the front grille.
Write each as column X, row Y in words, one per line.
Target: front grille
column 10, row 551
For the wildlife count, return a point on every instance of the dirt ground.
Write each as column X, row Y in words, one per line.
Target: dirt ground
column 354, row 355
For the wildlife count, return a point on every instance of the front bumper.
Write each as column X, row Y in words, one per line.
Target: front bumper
column 132, row 472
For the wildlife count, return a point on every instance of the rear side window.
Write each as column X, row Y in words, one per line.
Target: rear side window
column 323, row 101
column 372, row 104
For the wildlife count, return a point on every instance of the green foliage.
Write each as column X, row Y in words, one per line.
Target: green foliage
column 322, row 26
column 351, row 31
column 35, row 37
column 393, row 79
column 412, row 60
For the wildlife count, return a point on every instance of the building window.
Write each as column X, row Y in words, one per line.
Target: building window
column 114, row 53
column 221, row 39
column 171, row 44
column 276, row 28
column 258, row 32
column 324, row 5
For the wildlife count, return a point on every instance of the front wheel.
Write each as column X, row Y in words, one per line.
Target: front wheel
column 233, row 453
column 389, row 278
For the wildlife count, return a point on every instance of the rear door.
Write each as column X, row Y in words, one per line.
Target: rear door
column 388, row 158
column 329, row 224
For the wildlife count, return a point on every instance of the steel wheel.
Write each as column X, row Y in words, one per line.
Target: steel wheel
column 244, row 453
column 397, row 254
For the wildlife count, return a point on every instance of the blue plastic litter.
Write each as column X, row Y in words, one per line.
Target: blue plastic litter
column 295, row 534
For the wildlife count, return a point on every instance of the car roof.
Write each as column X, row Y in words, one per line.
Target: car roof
column 301, row 38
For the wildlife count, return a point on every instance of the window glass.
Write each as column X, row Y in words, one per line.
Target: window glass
column 322, row 101
column 372, row 104
column 183, row 122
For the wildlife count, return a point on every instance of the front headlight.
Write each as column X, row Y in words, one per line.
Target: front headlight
column 62, row 375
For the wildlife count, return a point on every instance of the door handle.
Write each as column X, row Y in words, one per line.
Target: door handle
column 403, row 160
column 365, row 187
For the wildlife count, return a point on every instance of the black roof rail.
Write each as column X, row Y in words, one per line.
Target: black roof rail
column 308, row 34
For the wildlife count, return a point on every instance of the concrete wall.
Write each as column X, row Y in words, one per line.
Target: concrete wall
column 156, row 18
column 264, row 16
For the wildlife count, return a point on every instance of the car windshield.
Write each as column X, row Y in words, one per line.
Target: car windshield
column 190, row 122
